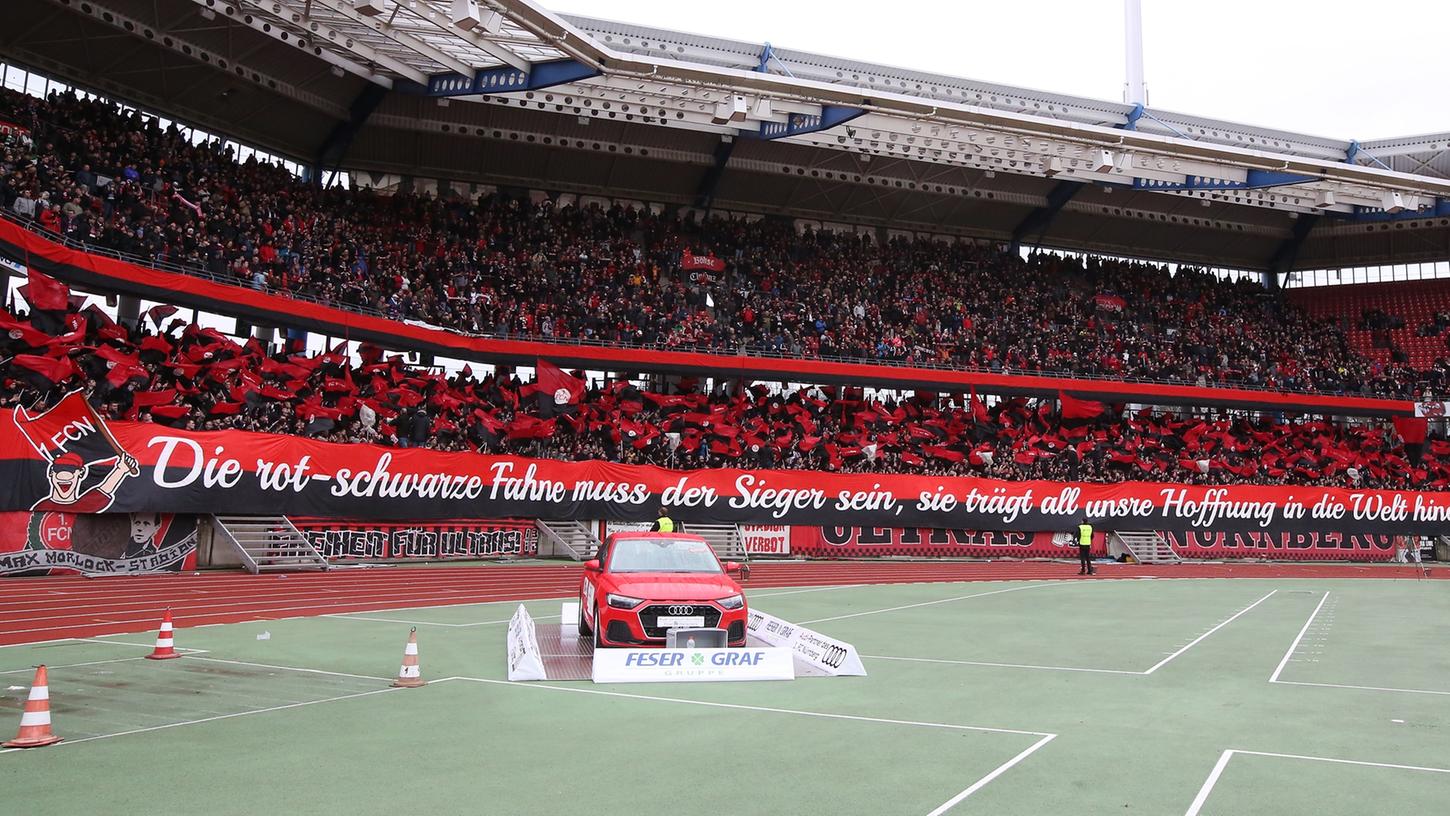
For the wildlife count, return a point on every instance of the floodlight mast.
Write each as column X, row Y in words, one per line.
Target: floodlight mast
column 1134, row 93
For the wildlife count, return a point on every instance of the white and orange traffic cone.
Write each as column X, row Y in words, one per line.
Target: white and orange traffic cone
column 35, row 722
column 410, row 675
column 165, row 643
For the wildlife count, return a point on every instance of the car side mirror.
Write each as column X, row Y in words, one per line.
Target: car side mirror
column 592, row 565
column 731, row 566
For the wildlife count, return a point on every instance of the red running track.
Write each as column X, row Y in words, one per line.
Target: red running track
column 39, row 609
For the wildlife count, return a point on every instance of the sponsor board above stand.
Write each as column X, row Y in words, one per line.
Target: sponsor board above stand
column 815, row 654
column 525, row 661
column 692, row 665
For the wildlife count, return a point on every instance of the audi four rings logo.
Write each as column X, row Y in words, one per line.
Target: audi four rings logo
column 834, row 656
column 680, row 609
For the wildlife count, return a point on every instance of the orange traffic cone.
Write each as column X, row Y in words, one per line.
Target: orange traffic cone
column 410, row 676
column 35, row 722
column 165, row 650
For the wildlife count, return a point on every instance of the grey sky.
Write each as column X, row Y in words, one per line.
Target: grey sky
column 1360, row 70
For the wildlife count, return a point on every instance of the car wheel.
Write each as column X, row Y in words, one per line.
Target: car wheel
column 599, row 634
column 584, row 630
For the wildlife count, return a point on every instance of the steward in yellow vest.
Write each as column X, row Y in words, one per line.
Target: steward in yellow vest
column 1084, row 547
column 664, row 524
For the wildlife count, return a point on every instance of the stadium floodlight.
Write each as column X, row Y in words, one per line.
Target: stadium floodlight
column 1326, row 200
column 370, row 8
column 730, row 110
column 467, row 17
column 1106, row 161
column 1393, row 202
column 465, row 14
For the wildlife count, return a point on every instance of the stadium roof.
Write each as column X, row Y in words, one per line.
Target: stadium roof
column 503, row 92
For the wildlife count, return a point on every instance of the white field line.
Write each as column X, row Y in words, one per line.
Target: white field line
column 289, row 668
column 1342, row 761
column 253, row 604
column 996, row 772
column 73, row 665
column 137, row 645
column 742, row 707
column 1197, row 804
column 111, row 597
column 433, row 623
column 1001, row 665
column 1274, row 678
column 1223, row 759
column 216, row 718
column 750, row 595
column 1360, row 688
column 259, row 615
column 358, row 615
column 933, row 603
column 1160, row 664
column 51, row 642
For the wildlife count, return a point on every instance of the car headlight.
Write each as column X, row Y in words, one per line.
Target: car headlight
column 622, row 601
column 732, row 602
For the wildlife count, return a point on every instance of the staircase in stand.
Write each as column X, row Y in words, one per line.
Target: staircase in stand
column 269, row 543
column 724, row 539
column 571, row 538
column 1147, row 547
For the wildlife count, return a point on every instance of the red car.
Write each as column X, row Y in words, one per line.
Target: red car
column 641, row 585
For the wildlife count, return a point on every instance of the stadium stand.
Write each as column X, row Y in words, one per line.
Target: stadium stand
column 1385, row 319
column 200, row 379
column 93, row 173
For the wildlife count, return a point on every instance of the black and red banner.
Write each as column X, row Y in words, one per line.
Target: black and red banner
column 52, row 543
column 68, row 460
column 468, row 539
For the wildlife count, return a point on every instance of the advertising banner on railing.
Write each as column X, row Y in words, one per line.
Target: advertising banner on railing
column 1277, row 544
column 370, row 540
column 765, row 539
column 1281, row 545
column 54, row 543
column 875, row 542
column 68, row 460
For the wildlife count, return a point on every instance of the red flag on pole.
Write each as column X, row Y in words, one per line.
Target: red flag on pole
column 47, row 293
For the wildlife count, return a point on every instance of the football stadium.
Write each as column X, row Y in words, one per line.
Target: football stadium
column 410, row 404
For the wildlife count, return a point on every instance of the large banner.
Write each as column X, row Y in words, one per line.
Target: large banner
column 875, row 542
column 52, row 543
column 1286, row 546
column 67, row 460
column 1278, row 544
column 420, row 539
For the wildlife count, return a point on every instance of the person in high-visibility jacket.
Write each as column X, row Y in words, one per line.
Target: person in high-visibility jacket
column 664, row 524
column 1084, row 547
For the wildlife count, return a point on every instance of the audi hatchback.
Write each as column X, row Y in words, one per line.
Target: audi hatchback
column 641, row 585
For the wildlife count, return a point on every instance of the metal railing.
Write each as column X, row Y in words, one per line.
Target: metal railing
column 761, row 352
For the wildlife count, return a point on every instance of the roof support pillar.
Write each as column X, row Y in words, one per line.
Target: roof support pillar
column 334, row 148
column 705, row 192
column 1041, row 218
column 1283, row 258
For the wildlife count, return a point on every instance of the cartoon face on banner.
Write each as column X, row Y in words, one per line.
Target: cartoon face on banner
column 85, row 464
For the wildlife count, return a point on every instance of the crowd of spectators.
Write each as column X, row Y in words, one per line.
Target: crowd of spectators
column 200, row 379
column 497, row 266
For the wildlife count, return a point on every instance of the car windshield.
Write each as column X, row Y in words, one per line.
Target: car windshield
column 662, row 555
